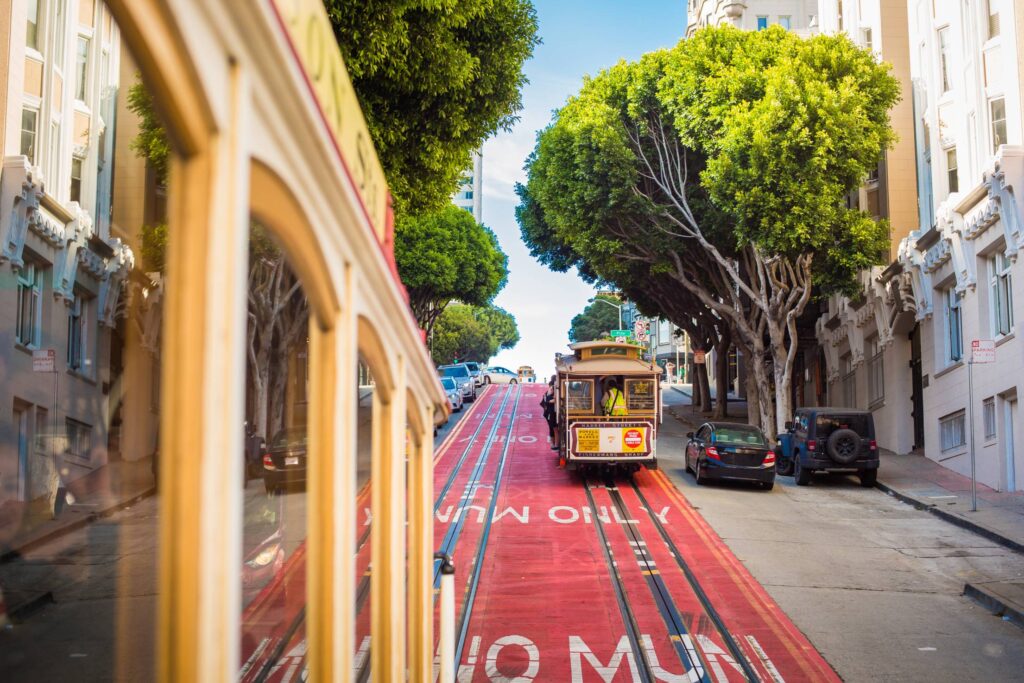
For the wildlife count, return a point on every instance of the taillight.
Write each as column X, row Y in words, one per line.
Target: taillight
column 769, row 459
column 267, row 462
column 873, row 445
column 812, row 446
column 712, row 452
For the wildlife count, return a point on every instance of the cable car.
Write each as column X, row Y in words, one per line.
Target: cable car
column 608, row 402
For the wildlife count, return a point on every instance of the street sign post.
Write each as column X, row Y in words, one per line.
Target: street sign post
column 620, row 333
column 983, row 351
column 44, row 360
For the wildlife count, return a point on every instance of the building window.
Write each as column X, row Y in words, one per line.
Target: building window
column 876, row 372
column 997, row 108
column 79, row 437
column 785, row 22
column 59, row 20
column 1002, row 295
column 988, row 410
column 993, row 21
column 944, row 59
column 32, row 25
column 81, row 67
column 867, row 39
column 30, row 306
column 76, row 179
column 848, row 382
column 954, row 325
column 951, row 170
column 762, row 23
column 29, row 123
column 952, row 433
column 78, row 337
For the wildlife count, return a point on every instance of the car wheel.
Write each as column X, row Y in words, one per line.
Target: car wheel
column 271, row 490
column 686, row 462
column 868, row 478
column 487, row 380
column 801, row 473
column 512, row 381
column 698, row 475
column 768, row 485
column 783, row 466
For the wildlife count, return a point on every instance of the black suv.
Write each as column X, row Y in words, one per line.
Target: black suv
column 829, row 440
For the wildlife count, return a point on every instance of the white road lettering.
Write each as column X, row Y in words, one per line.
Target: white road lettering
column 532, row 666
column 579, row 651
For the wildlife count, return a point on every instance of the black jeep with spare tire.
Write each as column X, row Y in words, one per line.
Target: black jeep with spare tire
column 828, row 440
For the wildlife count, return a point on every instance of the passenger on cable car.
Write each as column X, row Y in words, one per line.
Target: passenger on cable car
column 613, row 402
column 548, row 404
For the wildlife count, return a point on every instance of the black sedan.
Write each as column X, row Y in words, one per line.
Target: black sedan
column 726, row 450
column 284, row 462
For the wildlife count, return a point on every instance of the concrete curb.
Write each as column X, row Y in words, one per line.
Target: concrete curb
column 14, row 553
column 959, row 521
column 995, row 604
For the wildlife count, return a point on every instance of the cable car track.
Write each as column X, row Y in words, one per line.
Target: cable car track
column 680, row 637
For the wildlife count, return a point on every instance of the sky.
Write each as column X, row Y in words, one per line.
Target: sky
column 580, row 37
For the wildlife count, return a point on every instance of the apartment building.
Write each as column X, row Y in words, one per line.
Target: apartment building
column 62, row 264
column 470, row 194
column 799, row 16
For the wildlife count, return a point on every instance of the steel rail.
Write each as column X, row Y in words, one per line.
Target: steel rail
column 702, row 596
column 619, row 585
column 465, row 454
column 478, row 564
column 686, row 650
column 451, row 537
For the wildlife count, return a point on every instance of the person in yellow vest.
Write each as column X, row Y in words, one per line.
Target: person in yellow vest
column 613, row 403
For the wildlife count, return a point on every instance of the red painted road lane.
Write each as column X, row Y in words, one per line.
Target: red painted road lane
column 546, row 610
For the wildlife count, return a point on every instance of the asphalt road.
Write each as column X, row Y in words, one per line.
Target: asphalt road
column 875, row 584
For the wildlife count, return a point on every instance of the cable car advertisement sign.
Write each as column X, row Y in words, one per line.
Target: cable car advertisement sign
column 611, row 439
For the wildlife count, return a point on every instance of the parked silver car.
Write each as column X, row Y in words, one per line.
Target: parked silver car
column 496, row 375
column 463, row 378
column 455, row 400
column 477, row 371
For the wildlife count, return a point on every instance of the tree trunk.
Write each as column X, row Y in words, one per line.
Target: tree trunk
column 764, row 394
column 722, row 379
column 783, row 362
column 753, row 410
column 704, row 388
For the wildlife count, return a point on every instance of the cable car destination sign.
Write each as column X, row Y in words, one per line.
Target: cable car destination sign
column 312, row 39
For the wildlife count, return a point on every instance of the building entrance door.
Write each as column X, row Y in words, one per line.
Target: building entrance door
column 917, row 381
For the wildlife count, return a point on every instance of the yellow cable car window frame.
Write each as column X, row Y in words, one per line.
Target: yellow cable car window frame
column 575, row 410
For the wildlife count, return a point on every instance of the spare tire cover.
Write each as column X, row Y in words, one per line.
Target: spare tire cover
column 843, row 446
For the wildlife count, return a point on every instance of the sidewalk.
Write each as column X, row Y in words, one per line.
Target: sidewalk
column 927, row 485
column 105, row 490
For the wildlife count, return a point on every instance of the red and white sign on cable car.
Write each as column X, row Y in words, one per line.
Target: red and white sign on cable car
column 983, row 351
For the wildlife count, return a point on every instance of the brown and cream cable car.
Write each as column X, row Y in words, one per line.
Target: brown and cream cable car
column 600, row 427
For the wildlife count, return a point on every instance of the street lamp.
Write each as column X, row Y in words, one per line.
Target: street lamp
column 617, row 307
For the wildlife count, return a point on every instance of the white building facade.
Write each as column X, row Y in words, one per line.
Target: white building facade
column 469, row 196
column 61, row 268
column 799, row 16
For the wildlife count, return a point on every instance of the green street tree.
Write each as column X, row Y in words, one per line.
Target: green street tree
column 435, row 79
column 596, row 320
column 500, row 325
column 471, row 333
column 724, row 164
column 444, row 256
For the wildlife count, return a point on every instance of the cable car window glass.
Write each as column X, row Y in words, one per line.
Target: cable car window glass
column 640, row 396
column 579, row 395
column 365, row 424
column 609, row 351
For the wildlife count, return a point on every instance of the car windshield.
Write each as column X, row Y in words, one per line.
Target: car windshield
column 473, row 367
column 448, row 383
column 826, row 424
column 290, row 437
column 455, row 371
column 743, row 436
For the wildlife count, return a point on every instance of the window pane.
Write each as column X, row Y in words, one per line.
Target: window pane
column 989, row 411
column 944, row 58
column 81, row 67
column 363, row 551
column 76, row 180
column 79, row 440
column 28, row 133
column 998, row 111
column 32, row 25
column 274, row 463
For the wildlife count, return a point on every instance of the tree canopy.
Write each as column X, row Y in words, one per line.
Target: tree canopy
column 446, row 255
column 472, row 333
column 435, row 79
column 715, row 173
column 596, row 320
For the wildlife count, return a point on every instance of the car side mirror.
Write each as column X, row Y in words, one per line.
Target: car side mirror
column 789, row 426
column 689, row 435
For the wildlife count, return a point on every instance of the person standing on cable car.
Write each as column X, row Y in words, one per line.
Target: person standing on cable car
column 613, row 402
